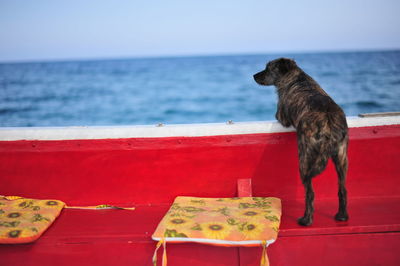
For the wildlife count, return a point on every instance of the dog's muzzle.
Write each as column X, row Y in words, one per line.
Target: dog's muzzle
column 260, row 77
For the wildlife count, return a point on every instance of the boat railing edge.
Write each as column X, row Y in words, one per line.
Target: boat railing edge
column 166, row 130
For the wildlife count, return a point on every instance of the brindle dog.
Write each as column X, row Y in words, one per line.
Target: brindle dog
column 320, row 125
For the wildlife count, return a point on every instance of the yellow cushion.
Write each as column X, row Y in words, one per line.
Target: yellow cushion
column 24, row 220
column 242, row 221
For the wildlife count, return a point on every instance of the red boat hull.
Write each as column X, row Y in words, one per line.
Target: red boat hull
column 150, row 172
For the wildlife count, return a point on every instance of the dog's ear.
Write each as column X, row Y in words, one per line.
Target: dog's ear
column 285, row 65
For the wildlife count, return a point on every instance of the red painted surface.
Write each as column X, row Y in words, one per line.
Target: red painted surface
column 150, row 173
column 244, row 188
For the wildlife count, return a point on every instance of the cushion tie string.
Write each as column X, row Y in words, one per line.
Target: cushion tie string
column 264, row 257
column 164, row 257
column 101, row 207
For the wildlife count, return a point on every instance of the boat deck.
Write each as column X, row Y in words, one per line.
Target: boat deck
column 120, row 237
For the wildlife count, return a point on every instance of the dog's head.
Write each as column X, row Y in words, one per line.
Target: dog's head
column 274, row 71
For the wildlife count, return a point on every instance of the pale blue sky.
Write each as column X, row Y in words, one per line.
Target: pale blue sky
column 84, row 29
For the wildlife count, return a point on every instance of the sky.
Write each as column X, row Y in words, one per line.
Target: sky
column 90, row 29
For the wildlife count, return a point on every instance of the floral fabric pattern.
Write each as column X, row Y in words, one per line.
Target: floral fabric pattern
column 229, row 219
column 24, row 220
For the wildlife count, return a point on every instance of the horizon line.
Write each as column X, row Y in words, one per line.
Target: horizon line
column 194, row 55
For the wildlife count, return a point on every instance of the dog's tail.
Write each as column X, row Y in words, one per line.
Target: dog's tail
column 340, row 160
column 339, row 133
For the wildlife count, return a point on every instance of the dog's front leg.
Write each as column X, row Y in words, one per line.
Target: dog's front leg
column 280, row 116
column 307, row 219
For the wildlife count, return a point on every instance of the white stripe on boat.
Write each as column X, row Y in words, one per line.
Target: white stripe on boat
column 165, row 130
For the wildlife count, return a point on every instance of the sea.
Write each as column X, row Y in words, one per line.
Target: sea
column 181, row 90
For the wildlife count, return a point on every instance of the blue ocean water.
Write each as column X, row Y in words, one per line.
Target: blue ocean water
column 184, row 89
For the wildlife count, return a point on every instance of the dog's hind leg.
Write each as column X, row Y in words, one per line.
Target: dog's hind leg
column 307, row 219
column 341, row 164
column 306, row 165
column 312, row 161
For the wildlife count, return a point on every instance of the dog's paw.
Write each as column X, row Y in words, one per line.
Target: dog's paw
column 342, row 217
column 304, row 221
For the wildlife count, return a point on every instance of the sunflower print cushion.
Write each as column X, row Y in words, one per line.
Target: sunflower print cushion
column 242, row 221
column 24, row 220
